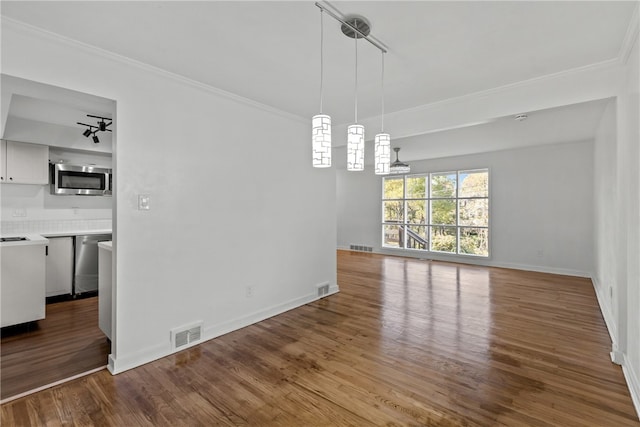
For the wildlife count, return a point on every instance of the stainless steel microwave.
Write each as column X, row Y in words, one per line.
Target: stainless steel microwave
column 83, row 180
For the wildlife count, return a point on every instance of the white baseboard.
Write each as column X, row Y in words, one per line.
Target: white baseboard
column 260, row 315
column 633, row 382
column 149, row 354
column 462, row 259
column 605, row 309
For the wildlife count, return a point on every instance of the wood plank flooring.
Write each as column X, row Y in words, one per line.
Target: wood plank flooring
column 405, row 342
column 66, row 343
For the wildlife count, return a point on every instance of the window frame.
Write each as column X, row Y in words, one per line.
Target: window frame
column 428, row 224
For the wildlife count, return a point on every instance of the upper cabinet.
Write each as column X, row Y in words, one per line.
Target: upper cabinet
column 22, row 163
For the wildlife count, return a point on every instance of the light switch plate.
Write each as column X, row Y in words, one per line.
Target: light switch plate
column 144, row 202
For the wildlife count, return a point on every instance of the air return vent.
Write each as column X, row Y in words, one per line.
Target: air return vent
column 181, row 337
column 323, row 289
column 361, row 248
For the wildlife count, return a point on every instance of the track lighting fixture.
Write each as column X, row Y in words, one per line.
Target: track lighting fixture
column 102, row 127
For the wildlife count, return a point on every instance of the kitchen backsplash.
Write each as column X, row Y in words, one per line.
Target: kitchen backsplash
column 51, row 226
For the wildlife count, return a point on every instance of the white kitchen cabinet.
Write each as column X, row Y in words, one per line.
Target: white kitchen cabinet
column 23, row 163
column 59, row 266
column 22, row 294
column 3, row 161
column 105, row 287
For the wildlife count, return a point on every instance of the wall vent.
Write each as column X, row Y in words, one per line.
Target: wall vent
column 186, row 335
column 361, row 248
column 323, row 289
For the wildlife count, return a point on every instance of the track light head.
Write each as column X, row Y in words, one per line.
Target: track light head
column 102, row 126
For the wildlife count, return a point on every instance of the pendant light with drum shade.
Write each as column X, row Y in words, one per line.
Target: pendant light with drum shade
column 321, row 123
column 382, row 141
column 355, row 132
column 355, row 27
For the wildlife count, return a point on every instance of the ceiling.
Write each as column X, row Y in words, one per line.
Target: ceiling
column 269, row 51
column 41, row 113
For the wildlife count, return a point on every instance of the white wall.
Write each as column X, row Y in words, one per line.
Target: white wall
column 632, row 124
column 617, row 205
column 605, row 199
column 540, row 207
column 235, row 202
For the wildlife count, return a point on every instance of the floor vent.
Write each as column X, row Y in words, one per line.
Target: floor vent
column 186, row 335
column 361, row 248
column 323, row 289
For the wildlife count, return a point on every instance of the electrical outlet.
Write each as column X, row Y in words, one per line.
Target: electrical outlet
column 144, row 202
column 540, row 253
column 249, row 291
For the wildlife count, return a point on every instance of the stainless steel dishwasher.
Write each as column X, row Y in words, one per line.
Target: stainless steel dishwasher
column 85, row 276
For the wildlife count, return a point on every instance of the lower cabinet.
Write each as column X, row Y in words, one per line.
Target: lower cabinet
column 23, row 278
column 105, row 288
column 59, row 266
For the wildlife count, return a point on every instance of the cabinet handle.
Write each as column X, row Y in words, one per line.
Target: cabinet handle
column 10, row 178
column 46, row 251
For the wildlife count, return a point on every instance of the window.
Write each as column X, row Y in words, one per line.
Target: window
column 440, row 212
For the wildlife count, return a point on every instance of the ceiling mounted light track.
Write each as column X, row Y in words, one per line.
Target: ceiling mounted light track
column 355, row 27
column 347, row 21
column 102, row 126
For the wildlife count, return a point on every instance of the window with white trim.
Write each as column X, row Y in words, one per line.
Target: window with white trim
column 445, row 212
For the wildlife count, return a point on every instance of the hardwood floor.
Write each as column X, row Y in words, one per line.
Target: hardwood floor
column 66, row 343
column 405, row 342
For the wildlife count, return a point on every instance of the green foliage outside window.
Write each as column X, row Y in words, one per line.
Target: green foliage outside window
column 443, row 212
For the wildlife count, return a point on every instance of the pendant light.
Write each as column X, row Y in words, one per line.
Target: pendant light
column 321, row 123
column 398, row 167
column 382, row 141
column 355, row 27
column 355, row 132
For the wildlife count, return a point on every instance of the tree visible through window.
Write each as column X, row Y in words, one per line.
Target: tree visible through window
column 439, row 212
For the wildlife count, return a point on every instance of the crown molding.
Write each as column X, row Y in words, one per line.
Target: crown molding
column 631, row 36
column 31, row 30
column 610, row 63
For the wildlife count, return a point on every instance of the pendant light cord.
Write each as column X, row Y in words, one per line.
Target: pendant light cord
column 382, row 91
column 356, row 96
column 321, row 58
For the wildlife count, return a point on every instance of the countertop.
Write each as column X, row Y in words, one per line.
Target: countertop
column 34, row 239
column 75, row 233
column 41, row 238
column 106, row 245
